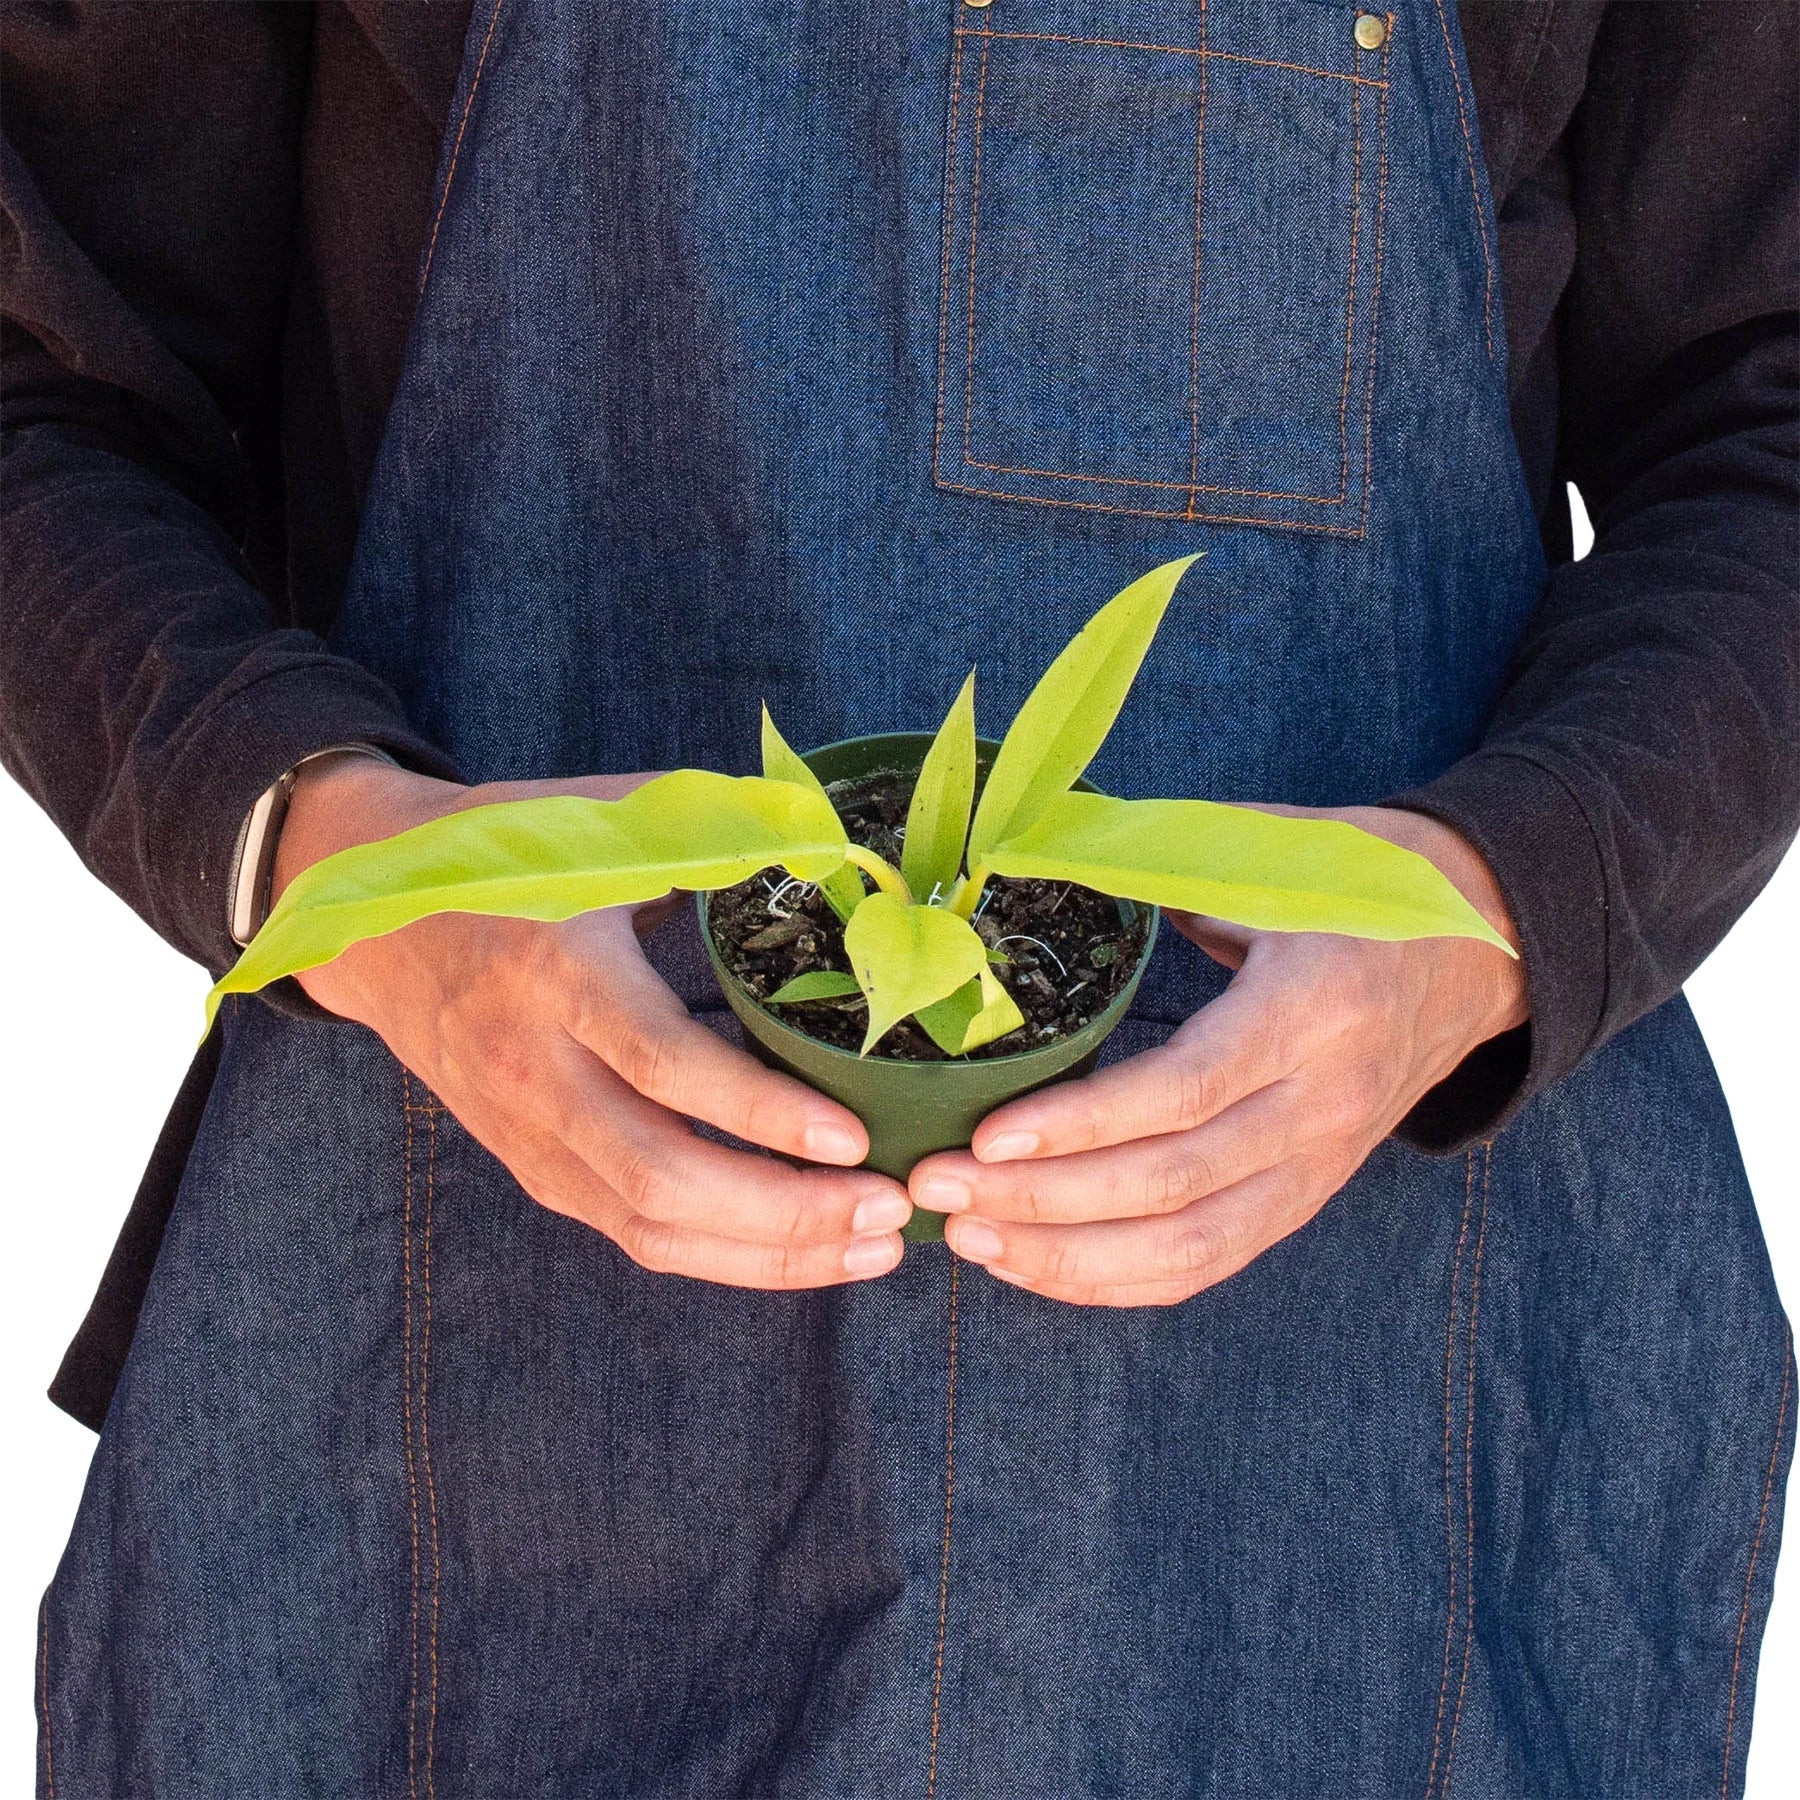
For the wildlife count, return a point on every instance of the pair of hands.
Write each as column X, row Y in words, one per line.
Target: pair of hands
column 560, row 1049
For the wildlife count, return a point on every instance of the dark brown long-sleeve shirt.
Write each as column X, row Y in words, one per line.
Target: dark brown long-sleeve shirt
column 210, row 220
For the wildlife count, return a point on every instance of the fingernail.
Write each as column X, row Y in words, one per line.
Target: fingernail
column 1008, row 1146
column 943, row 1193
column 830, row 1143
column 976, row 1241
column 881, row 1212
column 872, row 1255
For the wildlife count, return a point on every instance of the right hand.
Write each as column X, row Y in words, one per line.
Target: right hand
column 559, row 1048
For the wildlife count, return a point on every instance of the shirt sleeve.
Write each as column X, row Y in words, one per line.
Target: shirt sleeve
column 1640, row 778
column 150, row 687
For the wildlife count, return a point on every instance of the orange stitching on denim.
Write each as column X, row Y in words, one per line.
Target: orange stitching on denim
column 1762, row 1519
column 44, row 1691
column 1462, row 1237
column 1151, row 512
column 1177, row 487
column 974, row 222
column 937, row 1672
column 1350, row 301
column 412, row 1482
column 1462, row 1686
column 1192, row 487
column 1462, row 112
column 425, row 1445
column 937, row 430
column 456, row 148
column 1368, row 485
column 1261, row 62
column 1194, row 337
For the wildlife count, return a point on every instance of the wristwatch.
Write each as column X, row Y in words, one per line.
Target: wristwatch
column 253, row 862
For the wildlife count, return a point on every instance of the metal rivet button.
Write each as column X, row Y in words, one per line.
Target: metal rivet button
column 978, row 4
column 1371, row 32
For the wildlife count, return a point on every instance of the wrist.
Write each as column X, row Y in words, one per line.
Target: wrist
column 344, row 799
column 1498, row 991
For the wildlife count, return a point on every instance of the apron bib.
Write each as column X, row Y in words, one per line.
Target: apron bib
column 816, row 353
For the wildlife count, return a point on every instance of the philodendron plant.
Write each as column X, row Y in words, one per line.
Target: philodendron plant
column 909, row 940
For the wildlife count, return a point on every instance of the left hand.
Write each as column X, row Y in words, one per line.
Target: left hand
column 1156, row 1178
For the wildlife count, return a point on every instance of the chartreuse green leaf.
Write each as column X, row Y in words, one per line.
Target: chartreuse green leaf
column 1066, row 718
column 977, row 1013
column 1264, row 870
column 906, row 957
column 844, row 889
column 937, row 821
column 815, row 984
column 545, row 859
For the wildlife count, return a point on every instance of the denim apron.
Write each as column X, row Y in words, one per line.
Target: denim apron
column 816, row 353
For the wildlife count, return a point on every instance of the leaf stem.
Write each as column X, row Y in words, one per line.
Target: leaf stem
column 967, row 893
column 880, row 871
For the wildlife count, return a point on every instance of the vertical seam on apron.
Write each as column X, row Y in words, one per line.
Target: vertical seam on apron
column 1462, row 112
column 1194, row 336
column 1762, row 1519
column 1462, row 1686
column 1368, row 485
column 431, row 1137
column 428, row 1110
column 1462, row 1238
column 1350, row 302
column 412, row 1479
column 456, row 148
column 937, row 1672
column 44, row 1692
column 937, row 437
column 974, row 223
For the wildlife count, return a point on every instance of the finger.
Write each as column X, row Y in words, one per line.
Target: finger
column 622, row 1010
column 1147, row 1293
column 668, row 1174
column 551, row 1174
column 1223, row 941
column 1193, row 1249
column 1251, row 1035
column 1151, row 1175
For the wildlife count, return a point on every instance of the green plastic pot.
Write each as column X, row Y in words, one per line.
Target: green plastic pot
column 912, row 1109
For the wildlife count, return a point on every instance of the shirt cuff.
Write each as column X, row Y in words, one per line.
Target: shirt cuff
column 1531, row 831
column 231, row 752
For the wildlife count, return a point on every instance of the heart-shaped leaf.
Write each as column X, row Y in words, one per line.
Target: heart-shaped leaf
column 906, row 957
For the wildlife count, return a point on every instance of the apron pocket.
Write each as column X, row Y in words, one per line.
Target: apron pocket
column 1161, row 259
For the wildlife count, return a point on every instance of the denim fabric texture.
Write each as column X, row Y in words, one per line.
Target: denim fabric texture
column 815, row 354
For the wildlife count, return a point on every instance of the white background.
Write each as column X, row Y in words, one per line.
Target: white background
column 101, row 1017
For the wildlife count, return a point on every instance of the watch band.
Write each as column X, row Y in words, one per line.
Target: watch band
column 253, row 861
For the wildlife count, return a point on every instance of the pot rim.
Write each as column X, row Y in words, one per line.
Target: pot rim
column 1101, row 1024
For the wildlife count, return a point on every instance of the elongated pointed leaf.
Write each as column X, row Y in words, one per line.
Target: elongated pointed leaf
column 977, row 1013
column 544, row 859
column 937, row 820
column 815, row 984
column 781, row 762
column 906, row 957
column 1264, row 870
column 1066, row 718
